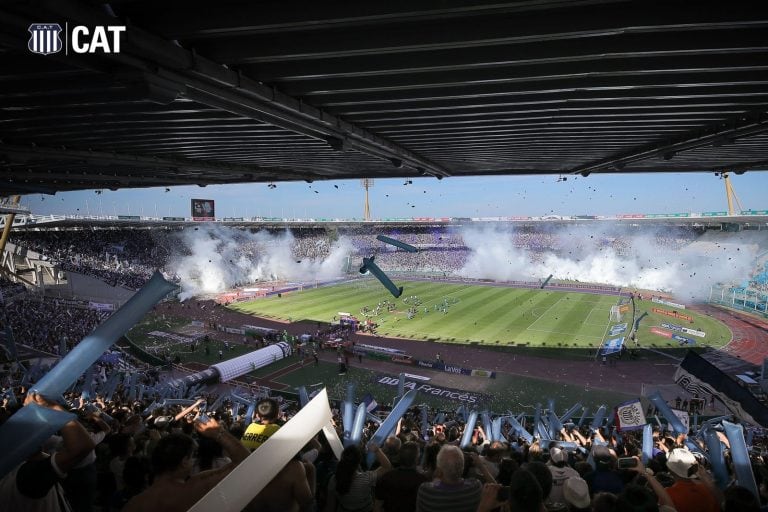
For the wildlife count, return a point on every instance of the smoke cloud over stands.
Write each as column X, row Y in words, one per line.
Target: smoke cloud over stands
column 213, row 258
column 646, row 260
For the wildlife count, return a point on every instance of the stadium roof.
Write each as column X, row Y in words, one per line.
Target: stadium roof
column 231, row 92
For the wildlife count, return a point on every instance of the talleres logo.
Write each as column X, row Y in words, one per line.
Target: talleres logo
column 45, row 38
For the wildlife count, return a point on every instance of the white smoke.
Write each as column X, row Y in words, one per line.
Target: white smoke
column 211, row 259
column 586, row 255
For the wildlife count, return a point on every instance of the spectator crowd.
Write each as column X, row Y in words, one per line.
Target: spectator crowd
column 131, row 453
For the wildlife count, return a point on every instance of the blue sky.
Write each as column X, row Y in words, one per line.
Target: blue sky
column 427, row 197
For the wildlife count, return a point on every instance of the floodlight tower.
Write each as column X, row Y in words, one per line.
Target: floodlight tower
column 367, row 183
column 730, row 194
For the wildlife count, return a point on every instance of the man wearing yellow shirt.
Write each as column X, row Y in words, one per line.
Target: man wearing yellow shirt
column 258, row 432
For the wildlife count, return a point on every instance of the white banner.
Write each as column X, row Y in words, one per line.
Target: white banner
column 658, row 300
column 251, row 476
column 630, row 415
column 693, row 332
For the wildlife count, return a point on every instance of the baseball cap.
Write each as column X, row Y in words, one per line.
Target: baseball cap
column 682, row 463
column 557, row 455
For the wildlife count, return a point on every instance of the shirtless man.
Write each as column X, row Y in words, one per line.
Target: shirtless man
column 174, row 490
column 292, row 490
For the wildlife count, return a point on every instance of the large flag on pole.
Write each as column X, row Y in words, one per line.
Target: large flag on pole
column 630, row 416
column 700, row 377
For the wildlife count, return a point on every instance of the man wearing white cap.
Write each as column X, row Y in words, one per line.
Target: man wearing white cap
column 561, row 471
column 693, row 490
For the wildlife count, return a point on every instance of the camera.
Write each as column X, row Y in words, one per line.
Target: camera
column 627, row 462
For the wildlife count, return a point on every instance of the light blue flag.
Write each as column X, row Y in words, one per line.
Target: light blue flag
column 85, row 353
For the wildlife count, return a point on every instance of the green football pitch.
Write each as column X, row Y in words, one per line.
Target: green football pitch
column 472, row 313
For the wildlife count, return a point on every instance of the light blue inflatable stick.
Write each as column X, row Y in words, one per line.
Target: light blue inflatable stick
column 750, row 435
column 351, row 394
column 695, row 421
column 666, row 412
column 716, row 457
column 370, row 266
column 397, row 243
column 249, row 412
column 132, row 387
column 150, row 408
column 647, row 443
column 570, row 412
column 597, row 421
column 536, row 418
column 88, row 381
column 356, row 433
column 583, row 417
column 217, row 403
column 496, row 429
column 400, row 386
column 440, row 418
column 303, row 396
column 554, row 424
column 551, row 404
column 347, row 419
column 348, row 411
column 389, row 424
column 469, row 428
column 24, row 432
column 178, row 401
column 543, row 431
column 740, row 455
column 85, row 353
column 371, row 417
column 424, row 423
column 487, row 426
column 520, row 430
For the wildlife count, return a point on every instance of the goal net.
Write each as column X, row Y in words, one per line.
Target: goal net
column 616, row 314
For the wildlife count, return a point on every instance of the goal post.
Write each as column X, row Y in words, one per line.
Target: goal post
column 616, row 314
